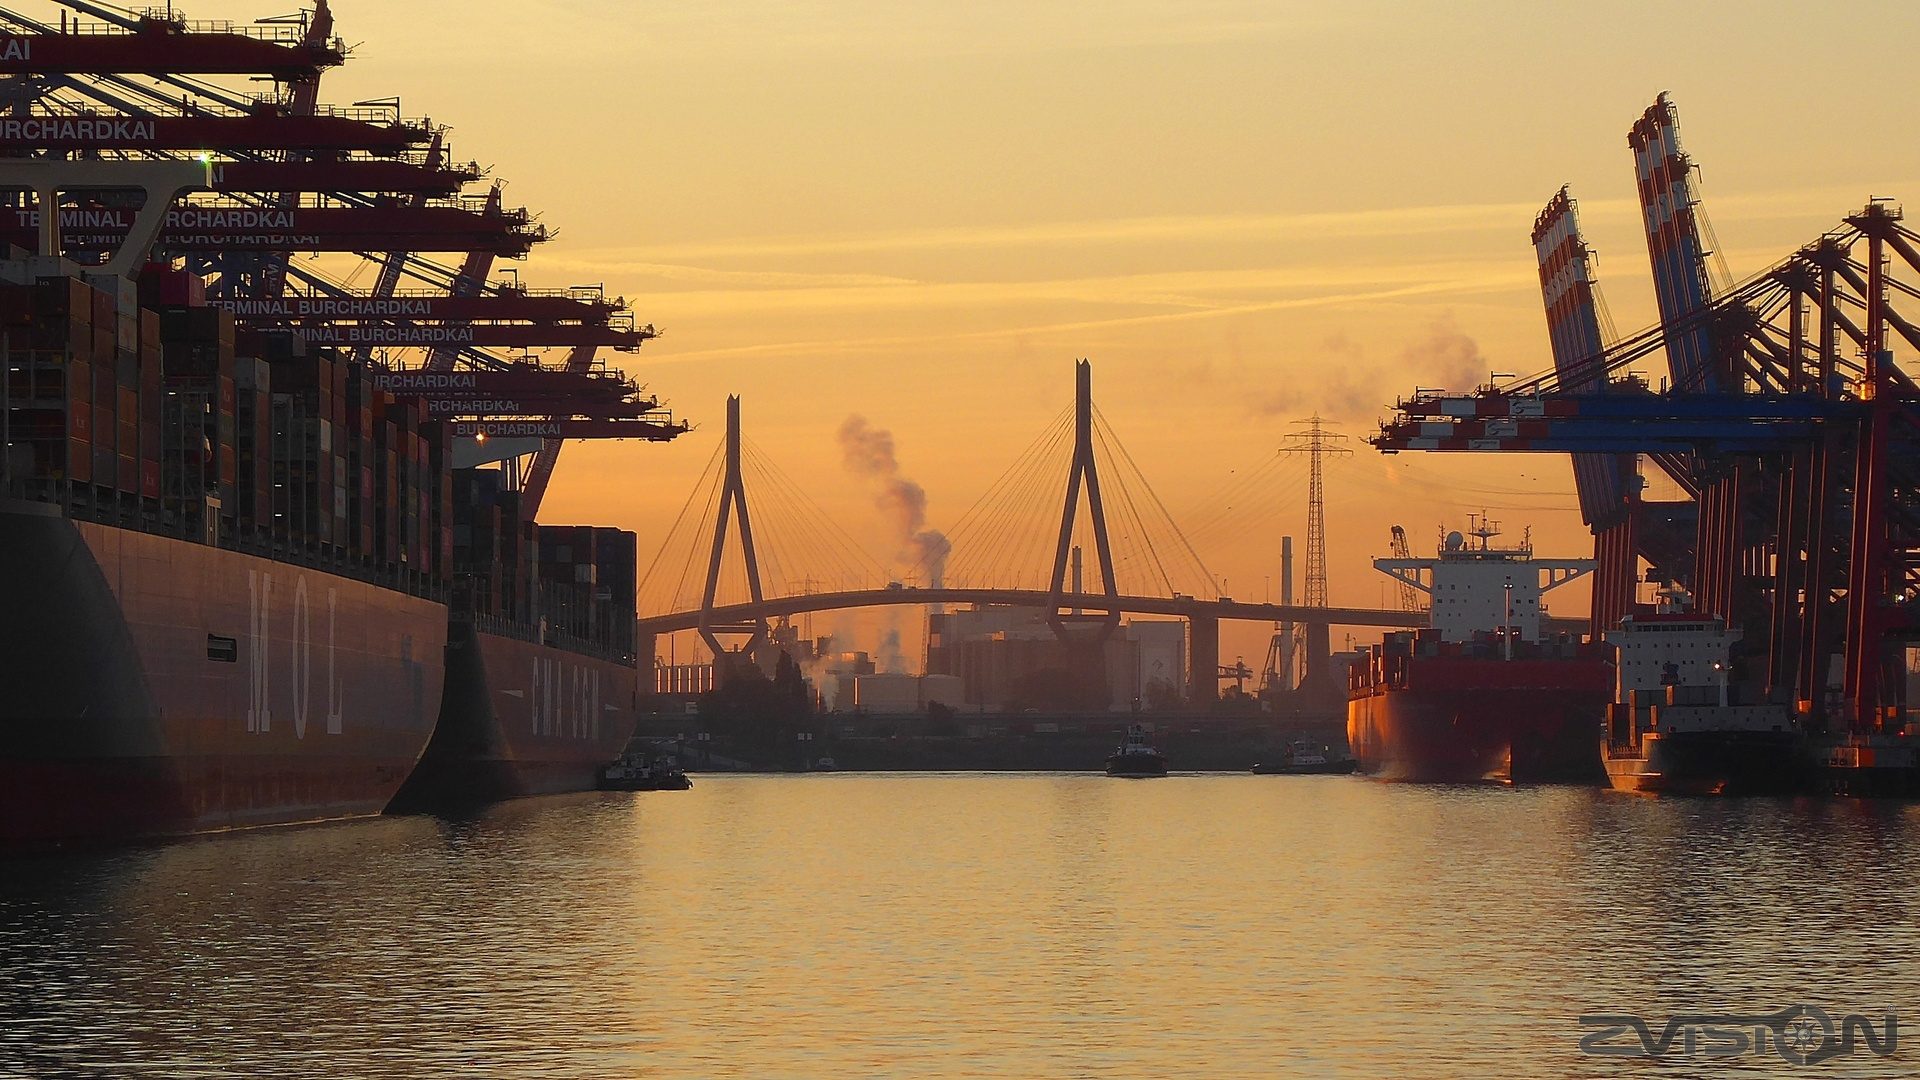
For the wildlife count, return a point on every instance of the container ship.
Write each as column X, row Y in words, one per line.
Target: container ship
column 1483, row 694
column 1676, row 724
column 542, row 683
column 270, row 535
column 207, row 628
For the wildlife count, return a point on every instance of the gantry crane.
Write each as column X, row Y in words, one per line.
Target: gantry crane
column 293, row 174
column 1784, row 416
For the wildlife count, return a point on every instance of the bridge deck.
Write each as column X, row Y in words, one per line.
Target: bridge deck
column 1183, row 607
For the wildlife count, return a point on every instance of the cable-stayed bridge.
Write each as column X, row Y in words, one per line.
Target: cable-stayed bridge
column 1072, row 528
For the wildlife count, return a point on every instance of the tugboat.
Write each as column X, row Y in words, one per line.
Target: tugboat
column 1301, row 760
column 1136, row 759
column 638, row 770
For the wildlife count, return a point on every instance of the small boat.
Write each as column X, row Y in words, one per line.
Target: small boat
column 1135, row 758
column 639, row 771
column 825, row 764
column 1300, row 760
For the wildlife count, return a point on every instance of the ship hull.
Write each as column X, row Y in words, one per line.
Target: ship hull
column 1136, row 766
column 152, row 687
column 1466, row 735
column 521, row 718
column 1318, row 768
column 1714, row 763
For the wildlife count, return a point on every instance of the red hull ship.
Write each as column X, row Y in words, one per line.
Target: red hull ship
column 522, row 718
column 245, row 506
column 1428, row 711
column 159, row 687
column 1483, row 694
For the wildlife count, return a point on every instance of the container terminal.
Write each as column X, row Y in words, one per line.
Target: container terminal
column 1752, row 499
column 233, row 468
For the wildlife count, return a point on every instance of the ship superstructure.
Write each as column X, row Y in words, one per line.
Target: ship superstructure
column 1476, row 589
column 1484, row 692
column 1676, row 724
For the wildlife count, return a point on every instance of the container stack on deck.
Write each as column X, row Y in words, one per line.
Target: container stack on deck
column 587, row 582
column 148, row 416
column 574, row 583
column 83, row 394
column 144, row 412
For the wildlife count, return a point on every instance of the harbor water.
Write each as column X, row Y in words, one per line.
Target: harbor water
column 917, row 925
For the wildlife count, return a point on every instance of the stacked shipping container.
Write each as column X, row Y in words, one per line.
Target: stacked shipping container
column 143, row 408
column 83, row 397
column 575, row 580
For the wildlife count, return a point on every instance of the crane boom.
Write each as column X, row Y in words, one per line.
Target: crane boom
column 1409, row 597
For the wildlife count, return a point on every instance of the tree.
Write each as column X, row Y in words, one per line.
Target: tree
column 1162, row 695
column 789, row 686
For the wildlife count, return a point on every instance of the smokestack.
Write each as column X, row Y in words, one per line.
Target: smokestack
column 1287, row 661
column 1076, row 574
column 1286, row 570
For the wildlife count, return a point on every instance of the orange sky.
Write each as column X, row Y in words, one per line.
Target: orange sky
column 1241, row 212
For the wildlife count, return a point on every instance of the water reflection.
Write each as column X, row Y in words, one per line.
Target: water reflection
column 947, row 925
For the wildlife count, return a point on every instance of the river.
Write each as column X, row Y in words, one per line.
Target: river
column 965, row 925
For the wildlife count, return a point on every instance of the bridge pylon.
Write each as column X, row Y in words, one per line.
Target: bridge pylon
column 733, row 500
column 1075, row 626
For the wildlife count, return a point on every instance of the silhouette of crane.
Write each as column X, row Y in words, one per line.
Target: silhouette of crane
column 1409, row 596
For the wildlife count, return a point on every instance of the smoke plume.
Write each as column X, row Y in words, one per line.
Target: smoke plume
column 868, row 452
column 890, row 659
column 1447, row 358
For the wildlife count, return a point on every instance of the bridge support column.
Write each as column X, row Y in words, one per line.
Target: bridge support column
column 1319, row 682
column 644, row 659
column 733, row 500
column 1203, row 659
column 1084, row 468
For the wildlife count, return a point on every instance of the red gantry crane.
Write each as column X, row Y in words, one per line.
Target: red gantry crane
column 347, row 186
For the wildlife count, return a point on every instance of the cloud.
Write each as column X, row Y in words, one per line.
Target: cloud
column 663, row 355
column 1243, row 228
column 1341, row 380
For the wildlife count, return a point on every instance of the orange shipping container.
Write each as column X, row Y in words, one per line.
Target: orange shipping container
column 79, row 461
column 129, row 427
column 79, row 383
column 106, row 306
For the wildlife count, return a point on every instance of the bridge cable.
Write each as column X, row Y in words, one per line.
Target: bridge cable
column 837, row 550
column 994, row 516
column 701, row 485
column 1182, row 545
column 1023, row 519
